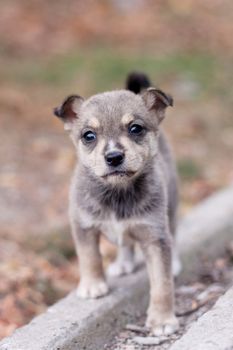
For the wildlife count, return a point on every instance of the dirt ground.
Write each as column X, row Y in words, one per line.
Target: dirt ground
column 49, row 50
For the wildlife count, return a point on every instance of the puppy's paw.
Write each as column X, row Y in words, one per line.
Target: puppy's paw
column 160, row 326
column 92, row 289
column 120, row 268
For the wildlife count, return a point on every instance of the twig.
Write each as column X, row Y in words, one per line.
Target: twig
column 137, row 329
column 189, row 311
column 149, row 340
column 198, row 305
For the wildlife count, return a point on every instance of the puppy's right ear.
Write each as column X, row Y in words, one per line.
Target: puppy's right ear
column 69, row 110
column 157, row 101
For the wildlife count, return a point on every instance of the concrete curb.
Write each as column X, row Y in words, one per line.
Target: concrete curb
column 204, row 233
column 213, row 331
column 83, row 324
column 73, row 324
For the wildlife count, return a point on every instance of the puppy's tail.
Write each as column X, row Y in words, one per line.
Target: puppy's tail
column 137, row 81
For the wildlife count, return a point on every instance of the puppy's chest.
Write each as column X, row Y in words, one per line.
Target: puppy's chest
column 115, row 230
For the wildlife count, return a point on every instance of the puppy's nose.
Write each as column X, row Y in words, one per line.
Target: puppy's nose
column 114, row 158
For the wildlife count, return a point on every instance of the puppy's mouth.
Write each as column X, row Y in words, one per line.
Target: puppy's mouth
column 119, row 173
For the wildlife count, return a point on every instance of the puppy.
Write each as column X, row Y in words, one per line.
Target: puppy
column 124, row 186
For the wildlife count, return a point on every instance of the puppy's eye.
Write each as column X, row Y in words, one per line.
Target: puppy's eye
column 136, row 129
column 89, row 136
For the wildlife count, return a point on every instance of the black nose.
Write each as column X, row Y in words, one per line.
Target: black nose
column 114, row 158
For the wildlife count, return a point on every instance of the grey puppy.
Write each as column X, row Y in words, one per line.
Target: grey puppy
column 124, row 186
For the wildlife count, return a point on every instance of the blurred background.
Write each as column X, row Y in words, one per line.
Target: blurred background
column 49, row 49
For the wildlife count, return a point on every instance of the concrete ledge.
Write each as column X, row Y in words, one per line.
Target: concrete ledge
column 213, row 331
column 75, row 324
column 83, row 324
column 205, row 231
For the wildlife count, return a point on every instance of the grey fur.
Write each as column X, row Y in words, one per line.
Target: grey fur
column 140, row 200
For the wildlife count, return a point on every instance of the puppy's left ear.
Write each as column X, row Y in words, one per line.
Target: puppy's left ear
column 69, row 110
column 156, row 100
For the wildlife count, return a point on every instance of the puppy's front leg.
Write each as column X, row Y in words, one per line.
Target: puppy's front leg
column 92, row 281
column 160, row 315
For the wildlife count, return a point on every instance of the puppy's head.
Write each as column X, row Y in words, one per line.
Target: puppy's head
column 115, row 133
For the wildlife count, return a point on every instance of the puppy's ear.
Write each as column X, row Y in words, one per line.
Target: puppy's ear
column 137, row 82
column 69, row 110
column 157, row 101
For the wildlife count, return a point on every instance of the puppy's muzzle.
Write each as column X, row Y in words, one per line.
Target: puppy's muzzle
column 114, row 158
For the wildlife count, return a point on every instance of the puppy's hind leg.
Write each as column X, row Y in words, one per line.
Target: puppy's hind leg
column 124, row 263
column 176, row 263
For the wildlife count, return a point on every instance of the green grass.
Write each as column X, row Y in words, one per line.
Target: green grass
column 188, row 169
column 106, row 69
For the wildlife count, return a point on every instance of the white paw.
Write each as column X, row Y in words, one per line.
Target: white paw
column 120, row 268
column 166, row 327
column 92, row 289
